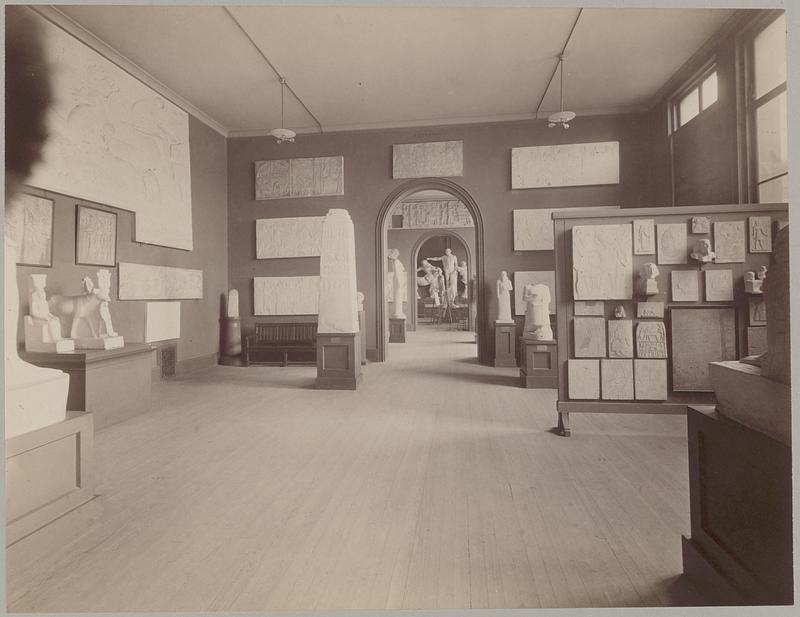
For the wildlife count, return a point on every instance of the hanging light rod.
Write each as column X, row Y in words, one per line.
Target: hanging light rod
column 274, row 70
column 558, row 64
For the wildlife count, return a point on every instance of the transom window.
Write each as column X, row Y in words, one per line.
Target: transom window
column 693, row 99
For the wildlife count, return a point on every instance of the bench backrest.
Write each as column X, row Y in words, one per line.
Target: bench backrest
column 294, row 333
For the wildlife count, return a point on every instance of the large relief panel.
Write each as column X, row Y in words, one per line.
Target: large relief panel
column 115, row 141
column 602, row 262
column 700, row 336
column 29, row 223
column 434, row 213
column 289, row 237
column 431, row 159
column 143, row 282
column 565, row 165
column 302, row 177
column 286, row 295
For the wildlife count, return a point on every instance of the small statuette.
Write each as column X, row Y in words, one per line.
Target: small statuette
column 619, row 312
column 650, row 274
column 752, row 285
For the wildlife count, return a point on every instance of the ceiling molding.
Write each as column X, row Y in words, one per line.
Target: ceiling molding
column 382, row 126
column 59, row 19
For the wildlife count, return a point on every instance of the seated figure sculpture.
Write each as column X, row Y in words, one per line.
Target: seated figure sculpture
column 537, row 312
column 42, row 328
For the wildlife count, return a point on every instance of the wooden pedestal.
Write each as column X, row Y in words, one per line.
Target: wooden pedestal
column 397, row 330
column 505, row 352
column 539, row 364
column 338, row 361
column 48, row 473
column 740, row 491
column 113, row 384
column 231, row 355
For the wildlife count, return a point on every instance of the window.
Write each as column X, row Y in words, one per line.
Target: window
column 766, row 111
column 696, row 97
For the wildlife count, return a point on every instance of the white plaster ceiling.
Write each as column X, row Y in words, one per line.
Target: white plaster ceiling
column 378, row 67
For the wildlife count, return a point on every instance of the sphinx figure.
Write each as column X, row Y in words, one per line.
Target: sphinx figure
column 537, row 313
column 91, row 319
column 42, row 328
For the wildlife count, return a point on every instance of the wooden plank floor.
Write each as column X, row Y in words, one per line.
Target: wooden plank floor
column 438, row 484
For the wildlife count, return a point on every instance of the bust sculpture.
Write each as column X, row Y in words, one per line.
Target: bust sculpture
column 504, row 286
column 398, row 283
column 537, row 313
column 42, row 328
column 650, row 274
column 702, row 251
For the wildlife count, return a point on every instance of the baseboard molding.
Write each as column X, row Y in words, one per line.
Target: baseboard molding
column 190, row 365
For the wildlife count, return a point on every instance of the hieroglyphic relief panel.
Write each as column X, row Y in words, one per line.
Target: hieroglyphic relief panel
column 29, row 223
column 701, row 225
column 143, row 282
column 96, row 237
column 650, row 310
column 434, row 213
column 431, row 159
column 729, row 243
column 719, row 285
column 299, row 236
column 162, row 321
column 533, row 277
column 565, row 165
column 672, row 247
column 616, row 378
column 760, row 232
column 644, row 237
column 589, row 336
column 114, row 141
column 650, row 380
column 337, row 270
column 651, row 339
column 685, row 286
column 757, row 310
column 700, row 336
column 620, row 338
column 583, row 379
column 285, row 295
column 602, row 263
column 300, row 177
column 589, row 307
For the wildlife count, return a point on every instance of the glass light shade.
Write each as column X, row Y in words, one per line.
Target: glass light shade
column 283, row 134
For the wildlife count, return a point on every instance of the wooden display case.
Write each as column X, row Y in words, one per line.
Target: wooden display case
column 734, row 309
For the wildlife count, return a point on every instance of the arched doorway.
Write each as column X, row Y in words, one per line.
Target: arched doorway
column 399, row 194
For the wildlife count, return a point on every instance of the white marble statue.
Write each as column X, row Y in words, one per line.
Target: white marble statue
column 337, row 270
column 752, row 285
column 537, row 312
column 702, row 251
column 450, row 269
column 359, row 301
column 650, row 274
column 398, row 276
column 463, row 276
column 233, row 303
column 34, row 397
column 42, row 328
column 504, row 289
column 91, row 319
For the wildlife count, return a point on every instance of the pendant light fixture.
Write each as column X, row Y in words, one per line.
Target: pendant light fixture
column 561, row 117
column 282, row 134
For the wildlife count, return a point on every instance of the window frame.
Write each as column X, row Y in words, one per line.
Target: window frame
column 694, row 83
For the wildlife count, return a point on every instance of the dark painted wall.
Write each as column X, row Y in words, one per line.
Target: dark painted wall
column 368, row 182
column 199, row 318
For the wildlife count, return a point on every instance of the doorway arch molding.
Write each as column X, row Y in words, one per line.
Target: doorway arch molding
column 381, row 228
column 434, row 233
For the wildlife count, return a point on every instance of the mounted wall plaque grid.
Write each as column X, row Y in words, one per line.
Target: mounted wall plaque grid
column 700, row 313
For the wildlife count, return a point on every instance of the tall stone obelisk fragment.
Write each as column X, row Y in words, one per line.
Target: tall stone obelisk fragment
column 338, row 339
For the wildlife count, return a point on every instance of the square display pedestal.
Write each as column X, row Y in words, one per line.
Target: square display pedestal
column 505, row 352
column 397, row 329
column 539, row 360
column 338, row 361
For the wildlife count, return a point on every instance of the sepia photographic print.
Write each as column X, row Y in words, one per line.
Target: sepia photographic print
column 464, row 307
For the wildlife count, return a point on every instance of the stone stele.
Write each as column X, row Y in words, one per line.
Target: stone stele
column 684, row 286
column 700, row 336
column 729, row 242
column 602, row 262
column 672, row 247
column 589, row 307
column 337, row 268
column 616, row 378
column 719, row 285
column 583, row 379
column 620, row 338
column 590, row 337
column 650, row 380
column 651, row 339
column 650, row 310
column 644, row 237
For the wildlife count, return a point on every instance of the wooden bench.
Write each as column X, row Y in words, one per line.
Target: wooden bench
column 282, row 338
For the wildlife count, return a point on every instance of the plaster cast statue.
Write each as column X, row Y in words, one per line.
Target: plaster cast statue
column 504, row 287
column 650, row 274
column 91, row 320
column 619, row 312
column 42, row 328
column 463, row 276
column 702, row 251
column 537, row 312
column 398, row 284
column 450, row 269
column 751, row 284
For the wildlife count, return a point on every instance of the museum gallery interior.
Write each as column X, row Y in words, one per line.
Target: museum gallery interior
column 319, row 308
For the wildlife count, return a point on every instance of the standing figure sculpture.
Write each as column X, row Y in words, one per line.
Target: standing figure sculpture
column 537, row 312
column 463, row 276
column 504, row 287
column 398, row 283
column 450, row 269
